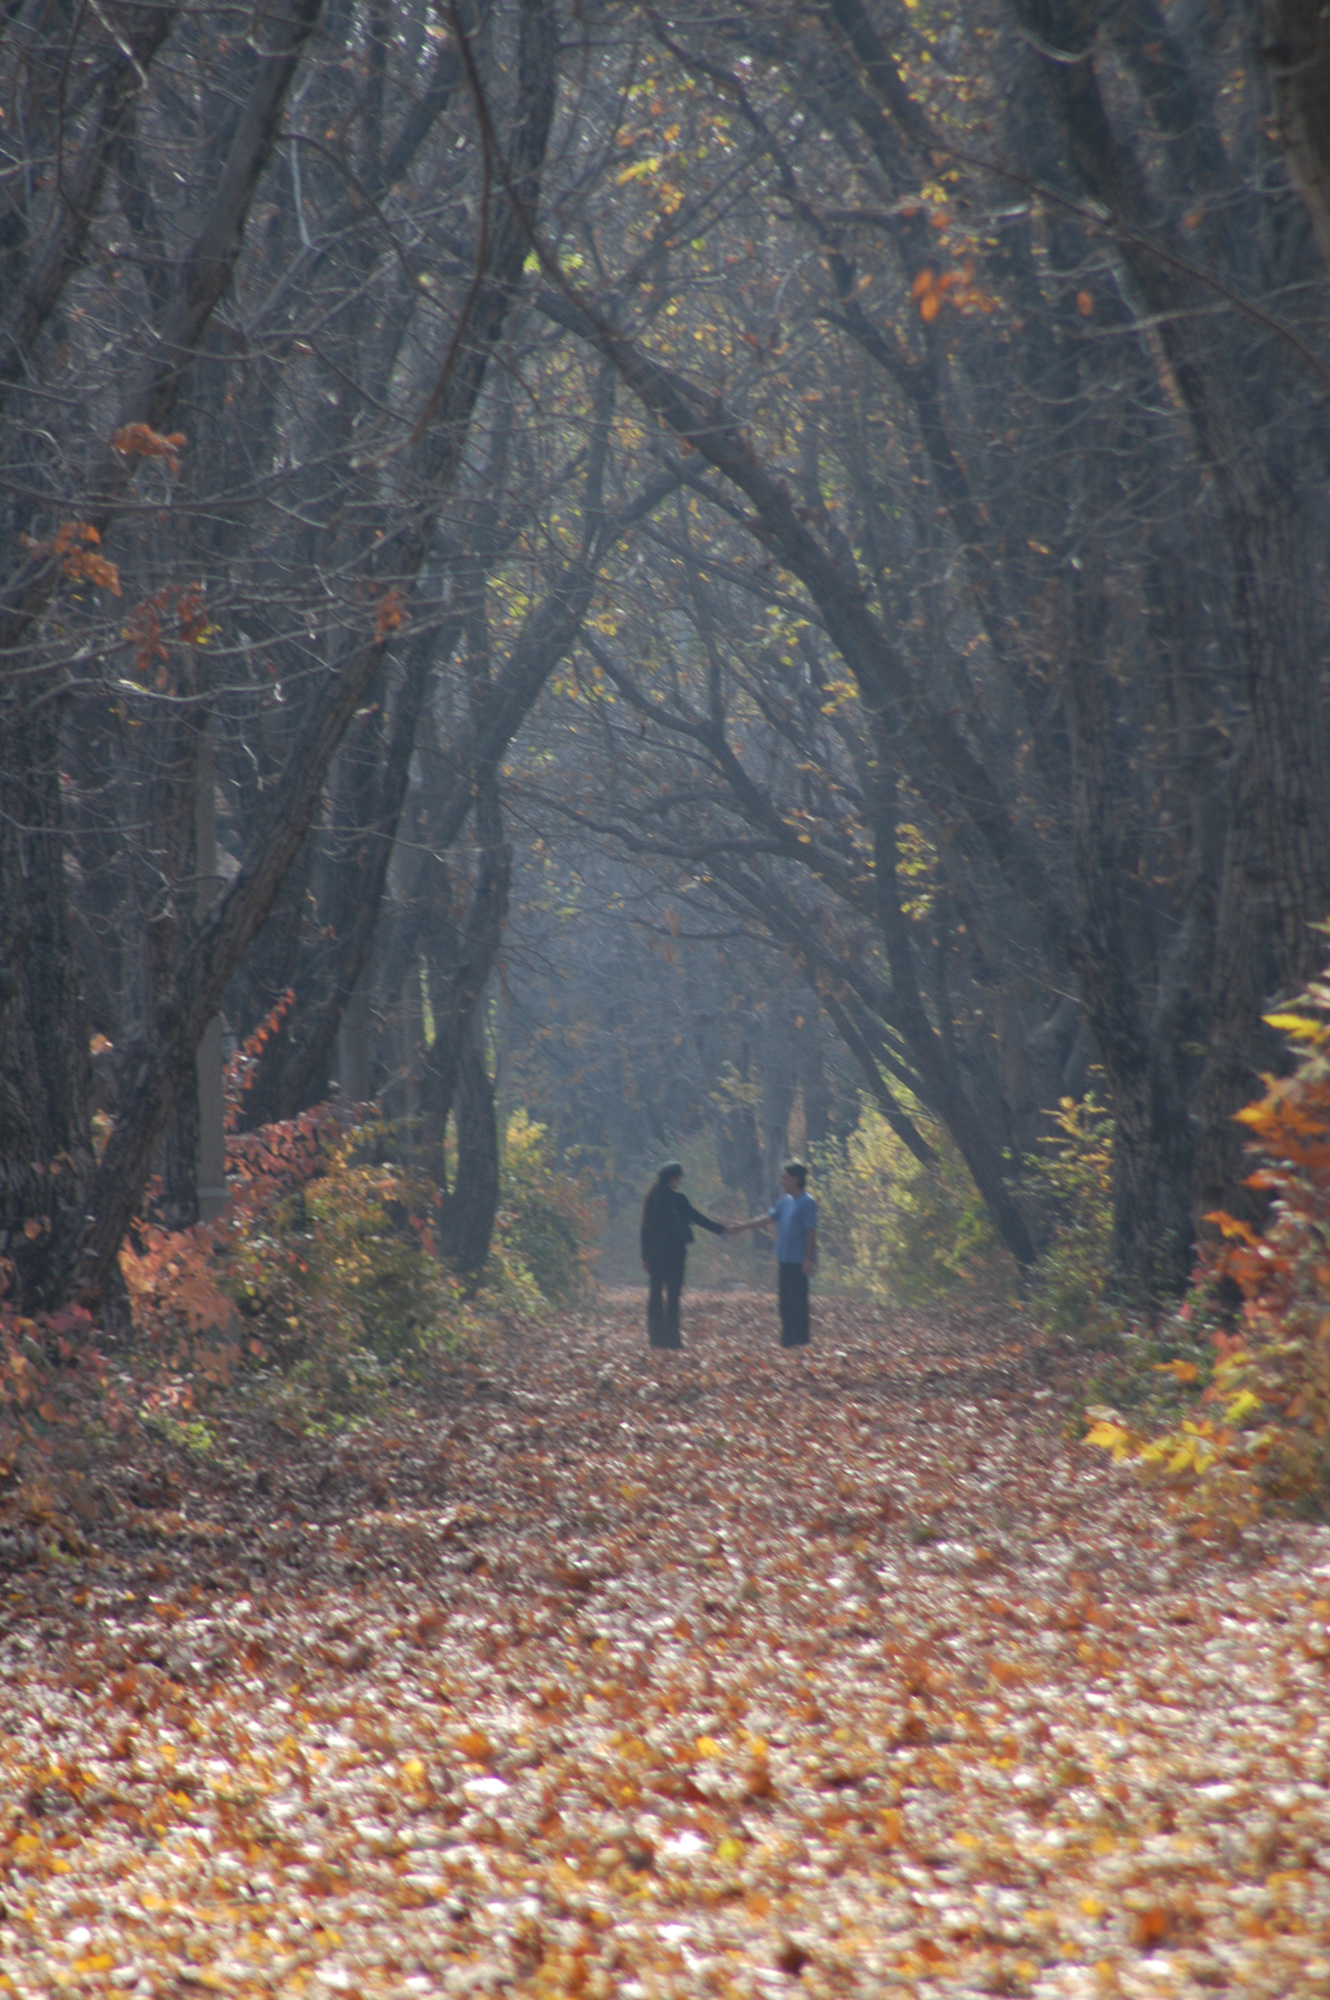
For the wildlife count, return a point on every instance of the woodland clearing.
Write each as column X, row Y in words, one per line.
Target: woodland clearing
column 726, row 1672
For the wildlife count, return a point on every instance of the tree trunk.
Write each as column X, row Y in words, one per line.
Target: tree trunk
column 1151, row 1248
column 469, row 1211
column 1295, row 42
column 1151, row 1251
column 931, row 1048
column 50, row 1187
column 48, row 1108
column 46, row 1157
column 459, row 961
column 298, row 1064
column 353, row 1059
column 371, row 782
column 1276, row 883
column 181, row 831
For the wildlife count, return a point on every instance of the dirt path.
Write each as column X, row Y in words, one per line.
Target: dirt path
column 703, row 1674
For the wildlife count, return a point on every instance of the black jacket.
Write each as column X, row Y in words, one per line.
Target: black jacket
column 667, row 1215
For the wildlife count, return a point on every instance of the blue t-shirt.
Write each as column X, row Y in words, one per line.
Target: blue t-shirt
column 794, row 1215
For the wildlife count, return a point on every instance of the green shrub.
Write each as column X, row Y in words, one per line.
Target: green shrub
column 1072, row 1176
column 897, row 1230
column 321, row 1281
column 1148, row 1376
column 333, row 1267
column 547, row 1225
column 363, row 1227
column 333, row 1275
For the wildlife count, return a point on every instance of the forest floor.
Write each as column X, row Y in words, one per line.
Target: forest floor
column 726, row 1672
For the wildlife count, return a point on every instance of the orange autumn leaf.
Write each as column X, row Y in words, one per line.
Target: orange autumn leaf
column 597, row 1671
column 956, row 285
column 142, row 441
column 75, row 545
column 390, row 613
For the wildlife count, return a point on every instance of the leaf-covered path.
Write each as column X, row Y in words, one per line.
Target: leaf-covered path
column 690, row 1674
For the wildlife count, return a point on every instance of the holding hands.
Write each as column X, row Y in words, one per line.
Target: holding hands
column 738, row 1228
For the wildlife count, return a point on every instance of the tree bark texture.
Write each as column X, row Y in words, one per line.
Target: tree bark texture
column 1152, row 1152
column 46, row 1155
column 1295, row 43
column 459, row 959
column 466, row 1226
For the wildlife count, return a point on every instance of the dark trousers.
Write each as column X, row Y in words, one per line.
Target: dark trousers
column 663, row 1311
column 793, row 1305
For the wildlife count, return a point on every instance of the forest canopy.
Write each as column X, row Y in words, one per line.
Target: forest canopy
column 687, row 568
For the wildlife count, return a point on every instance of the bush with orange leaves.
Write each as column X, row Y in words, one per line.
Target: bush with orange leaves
column 1260, row 1433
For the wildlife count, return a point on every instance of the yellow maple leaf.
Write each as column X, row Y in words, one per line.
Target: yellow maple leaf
column 1111, row 1437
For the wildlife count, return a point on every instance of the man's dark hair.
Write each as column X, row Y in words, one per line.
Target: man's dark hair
column 797, row 1171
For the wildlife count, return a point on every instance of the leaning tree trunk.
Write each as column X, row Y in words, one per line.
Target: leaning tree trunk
column 298, row 1063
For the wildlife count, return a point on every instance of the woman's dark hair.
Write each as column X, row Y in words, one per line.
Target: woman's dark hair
column 656, row 1193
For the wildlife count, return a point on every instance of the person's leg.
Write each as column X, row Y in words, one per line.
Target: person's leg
column 794, row 1329
column 803, row 1326
column 663, row 1312
column 673, row 1291
column 655, row 1310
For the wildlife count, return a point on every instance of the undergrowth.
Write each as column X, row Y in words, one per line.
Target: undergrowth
column 898, row 1230
column 548, row 1223
column 916, row 1233
column 317, row 1298
column 1255, row 1431
column 1071, row 1182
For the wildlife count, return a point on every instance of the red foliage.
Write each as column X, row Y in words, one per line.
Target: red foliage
column 75, row 544
column 142, row 441
column 54, row 1382
column 1269, row 1435
column 146, row 626
column 240, row 1072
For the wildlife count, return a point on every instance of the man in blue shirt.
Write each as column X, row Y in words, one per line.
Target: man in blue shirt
column 795, row 1217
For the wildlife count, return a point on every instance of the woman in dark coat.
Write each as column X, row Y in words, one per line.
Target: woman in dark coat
column 667, row 1219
